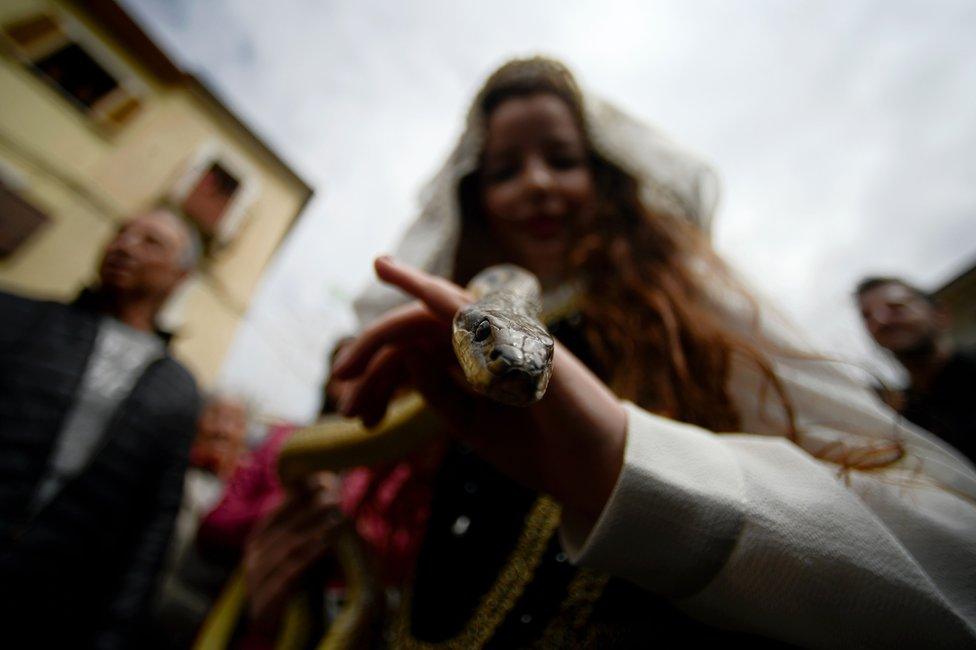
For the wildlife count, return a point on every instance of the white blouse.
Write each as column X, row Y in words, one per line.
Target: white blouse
column 751, row 532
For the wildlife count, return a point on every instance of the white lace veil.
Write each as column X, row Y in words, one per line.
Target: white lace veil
column 835, row 412
column 672, row 180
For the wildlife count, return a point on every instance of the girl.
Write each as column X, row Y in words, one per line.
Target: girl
column 609, row 513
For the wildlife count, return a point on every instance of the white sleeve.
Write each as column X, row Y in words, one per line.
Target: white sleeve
column 752, row 533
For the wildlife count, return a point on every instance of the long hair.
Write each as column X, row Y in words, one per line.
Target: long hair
column 646, row 313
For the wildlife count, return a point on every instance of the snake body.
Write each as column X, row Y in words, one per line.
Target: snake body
column 506, row 354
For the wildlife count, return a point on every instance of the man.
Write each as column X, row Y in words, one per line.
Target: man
column 96, row 420
column 941, row 395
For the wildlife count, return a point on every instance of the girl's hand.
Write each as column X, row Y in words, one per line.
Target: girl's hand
column 570, row 444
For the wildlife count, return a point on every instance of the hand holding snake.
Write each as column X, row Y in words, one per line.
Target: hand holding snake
column 569, row 444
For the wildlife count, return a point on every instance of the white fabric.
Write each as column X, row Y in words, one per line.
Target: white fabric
column 751, row 533
column 672, row 181
column 747, row 531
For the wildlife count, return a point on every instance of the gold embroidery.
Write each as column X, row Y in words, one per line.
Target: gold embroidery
column 540, row 524
column 566, row 628
column 583, row 591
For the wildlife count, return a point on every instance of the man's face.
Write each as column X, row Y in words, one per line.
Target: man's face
column 144, row 257
column 898, row 319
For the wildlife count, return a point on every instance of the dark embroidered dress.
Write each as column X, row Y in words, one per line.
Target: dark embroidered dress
column 492, row 572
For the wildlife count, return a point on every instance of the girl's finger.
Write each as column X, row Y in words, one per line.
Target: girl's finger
column 400, row 325
column 443, row 297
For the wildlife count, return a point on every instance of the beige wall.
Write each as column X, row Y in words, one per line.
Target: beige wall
column 86, row 179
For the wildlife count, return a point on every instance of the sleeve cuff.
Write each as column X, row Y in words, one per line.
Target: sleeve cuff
column 675, row 513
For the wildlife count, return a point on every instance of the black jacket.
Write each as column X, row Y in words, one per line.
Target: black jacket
column 948, row 408
column 82, row 570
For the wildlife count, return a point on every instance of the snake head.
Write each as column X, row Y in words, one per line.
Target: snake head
column 505, row 356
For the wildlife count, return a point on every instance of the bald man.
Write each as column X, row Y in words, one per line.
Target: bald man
column 96, row 420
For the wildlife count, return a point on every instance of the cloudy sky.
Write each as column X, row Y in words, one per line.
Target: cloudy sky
column 844, row 133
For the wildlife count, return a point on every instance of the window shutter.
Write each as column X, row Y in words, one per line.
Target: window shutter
column 116, row 108
column 18, row 221
column 36, row 37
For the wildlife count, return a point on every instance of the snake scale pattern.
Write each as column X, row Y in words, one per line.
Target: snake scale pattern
column 504, row 349
column 500, row 343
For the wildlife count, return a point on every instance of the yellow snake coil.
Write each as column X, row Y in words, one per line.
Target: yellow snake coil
column 506, row 354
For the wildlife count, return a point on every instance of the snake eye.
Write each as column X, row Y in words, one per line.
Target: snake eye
column 483, row 332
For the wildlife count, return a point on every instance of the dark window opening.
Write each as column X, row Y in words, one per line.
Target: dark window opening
column 77, row 74
column 208, row 200
column 68, row 66
column 18, row 221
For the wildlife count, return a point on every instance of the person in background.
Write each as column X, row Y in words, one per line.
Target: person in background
column 96, row 420
column 221, row 442
column 190, row 582
column 941, row 394
column 283, row 538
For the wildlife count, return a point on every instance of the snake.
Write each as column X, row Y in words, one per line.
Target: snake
column 503, row 348
column 505, row 352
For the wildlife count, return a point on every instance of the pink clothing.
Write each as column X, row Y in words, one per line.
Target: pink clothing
column 252, row 492
column 389, row 504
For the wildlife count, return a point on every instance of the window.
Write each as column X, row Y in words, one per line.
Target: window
column 215, row 189
column 77, row 75
column 71, row 63
column 18, row 221
column 209, row 198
